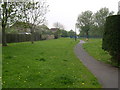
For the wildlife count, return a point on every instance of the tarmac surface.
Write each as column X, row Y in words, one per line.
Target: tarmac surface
column 106, row 74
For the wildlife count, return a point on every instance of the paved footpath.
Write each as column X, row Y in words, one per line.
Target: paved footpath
column 107, row 75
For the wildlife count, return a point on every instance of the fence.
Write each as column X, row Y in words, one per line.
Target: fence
column 11, row 38
column 90, row 36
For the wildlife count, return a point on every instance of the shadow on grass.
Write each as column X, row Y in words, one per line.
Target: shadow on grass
column 64, row 79
column 41, row 59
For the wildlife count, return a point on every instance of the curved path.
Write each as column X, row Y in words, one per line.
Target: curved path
column 106, row 74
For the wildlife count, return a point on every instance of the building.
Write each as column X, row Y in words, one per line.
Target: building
column 20, row 27
column 54, row 29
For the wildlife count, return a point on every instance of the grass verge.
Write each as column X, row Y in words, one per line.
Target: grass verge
column 0, row 67
column 94, row 48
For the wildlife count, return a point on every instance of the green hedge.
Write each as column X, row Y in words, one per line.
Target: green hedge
column 111, row 37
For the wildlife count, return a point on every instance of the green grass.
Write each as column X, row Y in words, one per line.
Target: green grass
column 94, row 48
column 0, row 67
column 45, row 64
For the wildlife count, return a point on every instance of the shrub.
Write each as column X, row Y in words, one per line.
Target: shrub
column 111, row 37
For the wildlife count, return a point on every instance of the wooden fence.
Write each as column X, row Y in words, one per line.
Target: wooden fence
column 11, row 38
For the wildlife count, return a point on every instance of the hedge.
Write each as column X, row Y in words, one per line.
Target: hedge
column 111, row 37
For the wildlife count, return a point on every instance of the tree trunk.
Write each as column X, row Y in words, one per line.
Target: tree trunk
column 75, row 36
column 32, row 36
column 4, row 43
column 4, row 23
column 87, row 36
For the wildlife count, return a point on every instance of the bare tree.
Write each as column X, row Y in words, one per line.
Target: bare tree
column 58, row 25
column 34, row 13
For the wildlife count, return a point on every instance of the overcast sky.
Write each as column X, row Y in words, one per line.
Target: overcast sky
column 67, row 11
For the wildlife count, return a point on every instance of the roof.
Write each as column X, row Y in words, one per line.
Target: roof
column 54, row 29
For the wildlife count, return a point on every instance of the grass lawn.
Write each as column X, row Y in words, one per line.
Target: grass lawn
column 94, row 48
column 0, row 67
column 45, row 64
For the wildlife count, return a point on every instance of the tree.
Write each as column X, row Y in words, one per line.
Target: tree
column 58, row 25
column 18, row 27
column 42, row 29
column 10, row 13
column 71, row 33
column 94, row 32
column 118, row 13
column 64, row 33
column 100, row 18
column 84, row 21
column 8, row 17
column 34, row 14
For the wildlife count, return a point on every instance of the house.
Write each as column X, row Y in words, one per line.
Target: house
column 20, row 27
column 54, row 29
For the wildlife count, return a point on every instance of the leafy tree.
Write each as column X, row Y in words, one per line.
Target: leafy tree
column 10, row 13
column 42, row 29
column 18, row 27
column 8, row 17
column 82, row 33
column 100, row 18
column 32, row 13
column 64, row 33
column 84, row 21
column 71, row 33
column 94, row 32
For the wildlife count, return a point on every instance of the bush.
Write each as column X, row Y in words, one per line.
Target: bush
column 111, row 37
